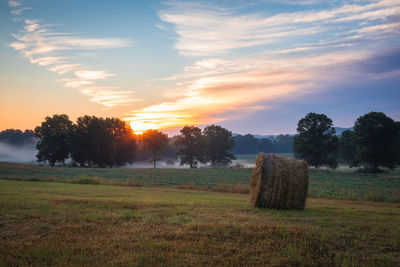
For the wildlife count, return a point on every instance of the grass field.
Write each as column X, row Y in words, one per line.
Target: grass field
column 58, row 224
column 323, row 183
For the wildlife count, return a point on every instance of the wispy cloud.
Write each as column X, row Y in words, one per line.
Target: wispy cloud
column 61, row 69
column 17, row 8
column 93, row 74
column 108, row 96
column 44, row 47
column 292, row 54
column 207, row 31
column 14, row 3
column 19, row 11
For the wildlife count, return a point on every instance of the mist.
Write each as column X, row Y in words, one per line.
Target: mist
column 18, row 154
column 169, row 164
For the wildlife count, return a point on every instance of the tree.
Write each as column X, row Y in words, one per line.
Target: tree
column 266, row 145
column 246, row 144
column 102, row 142
column 124, row 141
column 398, row 142
column 284, row 143
column 154, row 142
column 376, row 141
column 52, row 146
column 219, row 143
column 79, row 141
column 192, row 146
column 17, row 137
column 347, row 149
column 91, row 142
column 316, row 141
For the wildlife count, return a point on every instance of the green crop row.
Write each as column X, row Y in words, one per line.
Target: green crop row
column 323, row 183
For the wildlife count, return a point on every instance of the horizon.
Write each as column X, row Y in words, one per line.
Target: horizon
column 256, row 67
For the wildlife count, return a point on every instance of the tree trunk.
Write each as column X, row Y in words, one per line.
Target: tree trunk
column 154, row 163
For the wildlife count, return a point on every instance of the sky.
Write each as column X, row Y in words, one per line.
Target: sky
column 254, row 66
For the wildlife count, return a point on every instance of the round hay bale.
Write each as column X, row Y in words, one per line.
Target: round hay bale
column 279, row 182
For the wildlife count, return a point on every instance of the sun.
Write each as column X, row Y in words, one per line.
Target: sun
column 139, row 127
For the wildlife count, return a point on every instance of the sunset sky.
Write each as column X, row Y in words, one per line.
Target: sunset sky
column 254, row 66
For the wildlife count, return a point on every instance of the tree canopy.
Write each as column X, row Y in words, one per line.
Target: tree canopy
column 347, row 150
column 192, row 146
column 17, row 137
column 53, row 132
column 249, row 144
column 316, row 141
column 376, row 141
column 219, row 144
column 154, row 142
column 101, row 142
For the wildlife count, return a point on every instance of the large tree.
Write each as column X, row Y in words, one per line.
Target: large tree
column 102, row 142
column 219, row 144
column 124, row 141
column 347, row 151
column 52, row 133
column 376, row 141
column 316, row 141
column 192, row 146
column 154, row 142
column 398, row 142
column 91, row 142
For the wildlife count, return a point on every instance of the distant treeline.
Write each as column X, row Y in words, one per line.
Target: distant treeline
column 249, row 144
column 373, row 142
column 18, row 137
column 109, row 142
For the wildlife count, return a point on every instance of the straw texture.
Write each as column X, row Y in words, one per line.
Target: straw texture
column 279, row 182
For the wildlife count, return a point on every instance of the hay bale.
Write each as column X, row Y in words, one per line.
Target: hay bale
column 279, row 182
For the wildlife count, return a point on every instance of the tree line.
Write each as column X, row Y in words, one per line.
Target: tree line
column 109, row 142
column 374, row 142
column 106, row 142
column 17, row 137
column 249, row 144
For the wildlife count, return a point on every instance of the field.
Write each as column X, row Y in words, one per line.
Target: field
column 49, row 223
column 144, row 217
column 323, row 183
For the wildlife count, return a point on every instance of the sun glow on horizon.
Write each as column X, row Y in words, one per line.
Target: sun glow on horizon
column 139, row 127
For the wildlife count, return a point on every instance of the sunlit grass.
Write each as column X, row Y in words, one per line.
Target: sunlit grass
column 323, row 183
column 74, row 224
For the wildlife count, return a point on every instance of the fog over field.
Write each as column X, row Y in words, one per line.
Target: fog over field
column 19, row 154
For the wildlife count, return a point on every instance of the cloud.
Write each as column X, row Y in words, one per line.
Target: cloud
column 19, row 11
column 93, row 74
column 211, row 89
column 61, row 69
column 17, row 8
column 292, row 54
column 14, row 3
column 44, row 47
column 108, row 96
column 207, row 31
column 75, row 82
column 44, row 61
column 36, row 40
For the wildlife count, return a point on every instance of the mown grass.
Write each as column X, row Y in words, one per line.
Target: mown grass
column 323, row 183
column 74, row 224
